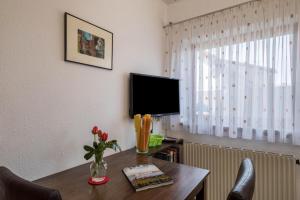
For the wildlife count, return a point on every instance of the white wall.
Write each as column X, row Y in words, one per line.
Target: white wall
column 186, row 9
column 47, row 105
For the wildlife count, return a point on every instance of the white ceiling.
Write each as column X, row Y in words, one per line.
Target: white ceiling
column 171, row 1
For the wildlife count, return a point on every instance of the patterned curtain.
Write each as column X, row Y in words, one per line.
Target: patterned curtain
column 239, row 72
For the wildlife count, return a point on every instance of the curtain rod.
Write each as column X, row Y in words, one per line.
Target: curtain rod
column 210, row 13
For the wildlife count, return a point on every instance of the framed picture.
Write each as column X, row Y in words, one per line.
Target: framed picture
column 87, row 44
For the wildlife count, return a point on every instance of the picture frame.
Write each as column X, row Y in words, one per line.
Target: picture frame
column 87, row 44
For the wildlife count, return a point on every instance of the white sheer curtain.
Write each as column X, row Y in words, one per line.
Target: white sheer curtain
column 239, row 72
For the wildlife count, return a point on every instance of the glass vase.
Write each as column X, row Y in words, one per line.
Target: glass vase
column 142, row 144
column 98, row 169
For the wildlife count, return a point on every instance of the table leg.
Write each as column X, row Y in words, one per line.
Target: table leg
column 202, row 195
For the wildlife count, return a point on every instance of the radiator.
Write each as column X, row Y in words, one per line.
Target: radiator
column 275, row 173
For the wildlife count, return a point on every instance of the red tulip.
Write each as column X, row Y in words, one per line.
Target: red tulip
column 95, row 130
column 104, row 136
column 99, row 133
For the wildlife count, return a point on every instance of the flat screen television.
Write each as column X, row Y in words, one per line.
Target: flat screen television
column 153, row 95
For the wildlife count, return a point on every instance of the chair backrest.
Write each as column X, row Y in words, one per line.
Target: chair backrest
column 13, row 187
column 245, row 182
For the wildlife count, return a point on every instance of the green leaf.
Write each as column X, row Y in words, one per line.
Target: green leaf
column 101, row 147
column 88, row 148
column 88, row 155
column 95, row 145
column 113, row 145
column 118, row 147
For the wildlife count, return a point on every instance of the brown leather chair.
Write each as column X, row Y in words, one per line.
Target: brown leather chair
column 13, row 187
column 245, row 182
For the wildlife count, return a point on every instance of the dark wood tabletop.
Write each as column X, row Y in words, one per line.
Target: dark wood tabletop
column 72, row 183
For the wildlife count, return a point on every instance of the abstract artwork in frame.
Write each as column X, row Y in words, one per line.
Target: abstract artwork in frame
column 87, row 44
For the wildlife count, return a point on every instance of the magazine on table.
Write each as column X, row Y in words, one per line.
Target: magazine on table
column 147, row 176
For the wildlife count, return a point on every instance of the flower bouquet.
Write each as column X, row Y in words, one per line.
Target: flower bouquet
column 98, row 167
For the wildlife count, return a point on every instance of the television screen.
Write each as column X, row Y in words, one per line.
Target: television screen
column 153, row 95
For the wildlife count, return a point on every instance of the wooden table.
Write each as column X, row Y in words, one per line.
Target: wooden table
column 189, row 182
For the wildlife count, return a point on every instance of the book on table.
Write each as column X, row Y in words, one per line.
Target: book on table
column 147, row 176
